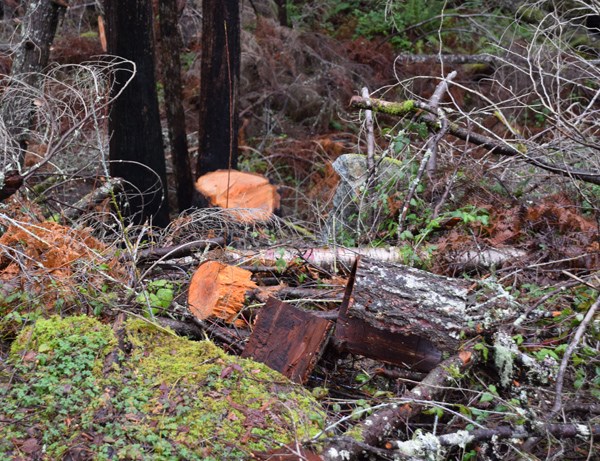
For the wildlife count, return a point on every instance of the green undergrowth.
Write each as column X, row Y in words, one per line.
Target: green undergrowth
column 70, row 391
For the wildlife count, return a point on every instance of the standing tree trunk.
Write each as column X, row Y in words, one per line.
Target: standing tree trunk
column 219, row 80
column 136, row 144
column 39, row 27
column 170, row 46
column 282, row 13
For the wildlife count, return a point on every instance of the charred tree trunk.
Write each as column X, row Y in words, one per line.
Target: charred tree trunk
column 136, row 145
column 282, row 13
column 170, row 46
column 39, row 28
column 220, row 70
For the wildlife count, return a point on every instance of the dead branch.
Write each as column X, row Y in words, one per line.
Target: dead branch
column 370, row 138
column 560, row 377
column 430, row 158
column 94, row 198
column 385, row 422
column 428, row 446
column 178, row 251
column 425, row 114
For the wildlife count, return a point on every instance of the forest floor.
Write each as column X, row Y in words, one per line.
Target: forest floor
column 529, row 384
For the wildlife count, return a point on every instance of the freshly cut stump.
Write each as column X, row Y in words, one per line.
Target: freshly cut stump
column 253, row 193
column 218, row 290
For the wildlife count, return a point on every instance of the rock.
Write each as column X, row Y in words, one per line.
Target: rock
column 352, row 210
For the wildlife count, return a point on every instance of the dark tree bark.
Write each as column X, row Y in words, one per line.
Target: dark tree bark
column 170, row 46
column 39, row 27
column 220, row 70
column 282, row 13
column 136, row 145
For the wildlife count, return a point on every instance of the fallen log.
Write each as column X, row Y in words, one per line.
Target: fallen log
column 401, row 315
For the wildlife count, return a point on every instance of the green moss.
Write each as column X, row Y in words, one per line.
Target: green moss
column 167, row 397
column 397, row 109
column 408, row 106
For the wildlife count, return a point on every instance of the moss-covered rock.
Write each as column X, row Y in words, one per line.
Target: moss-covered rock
column 164, row 397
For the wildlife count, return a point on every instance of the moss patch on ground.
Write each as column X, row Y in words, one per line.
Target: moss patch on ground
column 65, row 396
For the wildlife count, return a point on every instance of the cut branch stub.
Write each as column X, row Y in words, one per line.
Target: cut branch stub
column 218, row 290
column 251, row 192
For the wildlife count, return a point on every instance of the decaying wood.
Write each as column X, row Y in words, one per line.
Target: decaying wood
column 401, row 315
column 218, row 290
column 252, row 193
column 287, row 339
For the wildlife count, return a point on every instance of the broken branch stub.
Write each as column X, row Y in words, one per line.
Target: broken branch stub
column 256, row 198
column 218, row 290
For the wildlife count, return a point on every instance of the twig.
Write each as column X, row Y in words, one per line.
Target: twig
column 560, row 377
column 497, row 146
column 434, row 103
column 370, row 138
column 430, row 152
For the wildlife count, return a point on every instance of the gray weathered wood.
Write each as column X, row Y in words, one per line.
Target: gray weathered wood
column 403, row 315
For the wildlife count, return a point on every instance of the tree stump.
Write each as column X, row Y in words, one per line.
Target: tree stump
column 252, row 193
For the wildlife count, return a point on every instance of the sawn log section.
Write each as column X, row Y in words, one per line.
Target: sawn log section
column 401, row 315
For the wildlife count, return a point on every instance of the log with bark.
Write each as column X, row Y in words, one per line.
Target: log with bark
column 401, row 315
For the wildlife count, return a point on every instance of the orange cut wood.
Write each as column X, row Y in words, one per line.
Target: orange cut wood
column 237, row 189
column 218, row 290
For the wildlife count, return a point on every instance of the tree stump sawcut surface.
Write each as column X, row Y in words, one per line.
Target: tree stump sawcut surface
column 252, row 193
column 404, row 316
column 218, row 290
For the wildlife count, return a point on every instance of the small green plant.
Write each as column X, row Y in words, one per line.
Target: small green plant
column 158, row 296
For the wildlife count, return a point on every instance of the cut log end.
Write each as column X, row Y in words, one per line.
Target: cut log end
column 251, row 194
column 218, row 290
